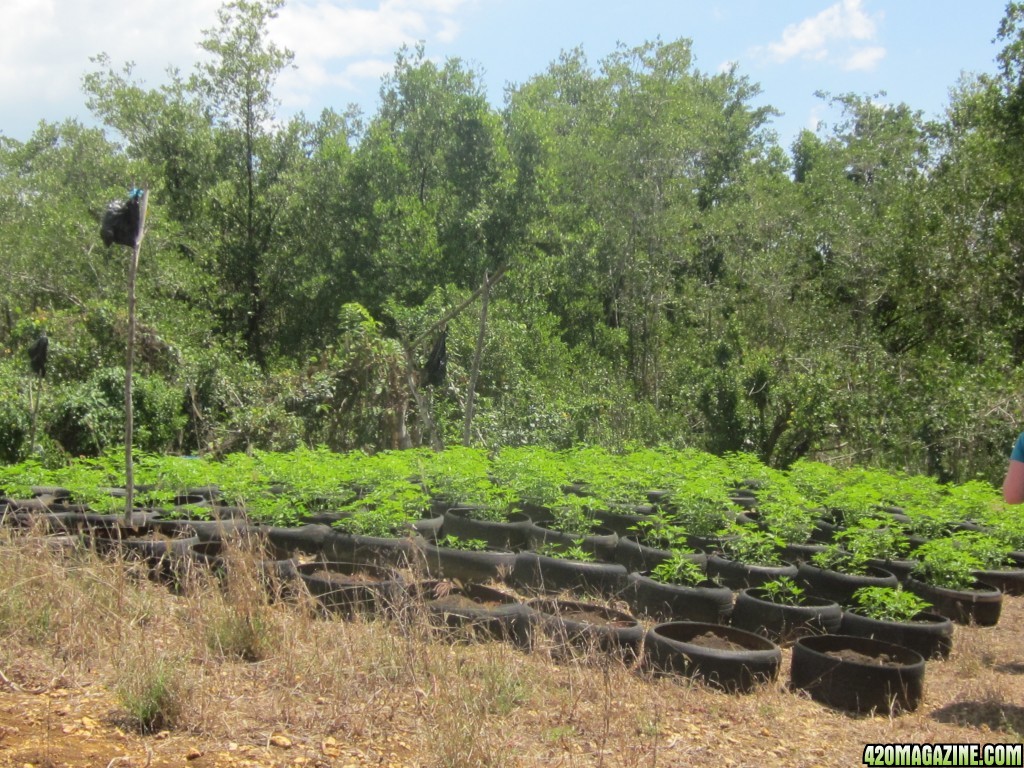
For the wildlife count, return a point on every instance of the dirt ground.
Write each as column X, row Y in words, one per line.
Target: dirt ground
column 562, row 714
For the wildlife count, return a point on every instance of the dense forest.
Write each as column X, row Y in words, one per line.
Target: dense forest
column 621, row 255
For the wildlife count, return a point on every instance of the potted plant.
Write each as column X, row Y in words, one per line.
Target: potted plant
column 677, row 588
column 466, row 560
column 901, row 617
column 836, row 573
column 558, row 565
column 782, row 610
column 572, row 521
column 945, row 576
column 750, row 557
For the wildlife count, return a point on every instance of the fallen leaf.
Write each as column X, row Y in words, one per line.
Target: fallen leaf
column 278, row 740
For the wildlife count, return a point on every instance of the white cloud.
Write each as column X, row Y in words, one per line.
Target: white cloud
column 338, row 44
column 45, row 45
column 864, row 59
column 816, row 38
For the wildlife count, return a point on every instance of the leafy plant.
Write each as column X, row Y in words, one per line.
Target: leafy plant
column 783, row 591
column 454, row 542
column 571, row 514
column 749, row 544
column 678, row 569
column 942, row 563
column 660, row 533
column 888, row 603
column 573, row 551
column 835, row 558
column 875, row 537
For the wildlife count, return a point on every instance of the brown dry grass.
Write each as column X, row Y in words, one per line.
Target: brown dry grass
column 256, row 682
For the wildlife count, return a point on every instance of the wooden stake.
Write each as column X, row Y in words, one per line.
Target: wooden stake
column 467, row 427
column 133, row 267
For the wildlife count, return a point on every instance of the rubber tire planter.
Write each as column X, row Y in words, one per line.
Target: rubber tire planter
column 930, row 634
column 635, row 555
column 858, row 686
column 670, row 648
column 467, row 565
column 566, row 623
column 982, row 605
column 706, row 602
column 738, row 575
column 500, row 534
column 351, row 588
column 493, row 613
column 781, row 622
column 553, row 574
column 839, row 586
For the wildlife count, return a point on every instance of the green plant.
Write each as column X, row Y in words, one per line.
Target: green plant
column 749, row 544
column 942, row 563
column 870, row 537
column 786, row 515
column 573, row 551
column 888, row 603
column 571, row 514
column 660, row 533
column 835, row 558
column 783, row 591
column 469, row 545
column 150, row 689
column 678, row 569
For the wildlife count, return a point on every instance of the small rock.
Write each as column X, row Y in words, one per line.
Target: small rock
column 193, row 754
column 278, row 740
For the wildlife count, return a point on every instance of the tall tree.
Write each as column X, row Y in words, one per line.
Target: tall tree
column 237, row 83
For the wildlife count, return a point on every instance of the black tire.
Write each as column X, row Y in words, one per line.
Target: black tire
column 634, row 555
column 707, row 602
column 675, row 648
column 566, row 623
column 509, row 534
column 838, row 586
column 981, row 605
column 554, row 574
column 351, row 588
column 854, row 685
column 930, row 634
column 783, row 623
column 467, row 565
column 737, row 575
column 1009, row 581
column 600, row 543
column 474, row 608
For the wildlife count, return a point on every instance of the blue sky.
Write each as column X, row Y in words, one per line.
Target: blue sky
column 914, row 50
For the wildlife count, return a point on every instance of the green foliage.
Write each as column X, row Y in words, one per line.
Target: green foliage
column 455, row 542
column 944, row 563
column 673, row 276
column 888, row 603
column 874, row 537
column 567, row 551
column 678, row 569
column 749, row 544
column 783, row 591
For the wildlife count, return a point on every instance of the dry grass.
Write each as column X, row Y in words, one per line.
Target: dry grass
column 235, row 678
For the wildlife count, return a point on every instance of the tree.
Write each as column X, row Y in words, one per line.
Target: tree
column 237, row 86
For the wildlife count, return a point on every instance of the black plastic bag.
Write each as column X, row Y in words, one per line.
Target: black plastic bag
column 437, row 363
column 37, row 355
column 121, row 221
